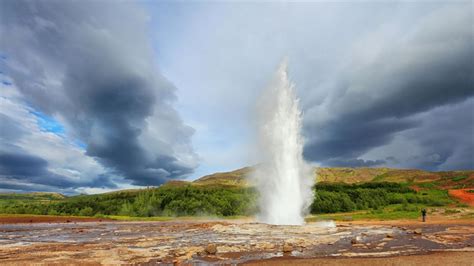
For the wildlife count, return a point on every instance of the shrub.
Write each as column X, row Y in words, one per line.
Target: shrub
column 87, row 211
column 459, row 178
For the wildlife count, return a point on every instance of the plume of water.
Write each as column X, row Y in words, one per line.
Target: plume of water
column 283, row 179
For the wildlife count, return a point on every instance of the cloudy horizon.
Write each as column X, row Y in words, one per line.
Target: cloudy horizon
column 97, row 96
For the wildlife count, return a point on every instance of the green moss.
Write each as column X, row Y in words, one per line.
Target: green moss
column 459, row 178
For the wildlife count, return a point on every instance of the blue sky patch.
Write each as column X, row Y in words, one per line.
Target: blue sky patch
column 47, row 123
column 80, row 144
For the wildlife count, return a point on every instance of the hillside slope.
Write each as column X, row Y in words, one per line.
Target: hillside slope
column 418, row 178
column 33, row 196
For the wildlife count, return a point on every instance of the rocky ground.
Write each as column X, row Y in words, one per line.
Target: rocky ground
column 235, row 242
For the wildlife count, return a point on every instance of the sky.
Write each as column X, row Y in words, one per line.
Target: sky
column 98, row 96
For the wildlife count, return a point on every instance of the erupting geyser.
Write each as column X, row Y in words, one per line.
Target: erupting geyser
column 283, row 179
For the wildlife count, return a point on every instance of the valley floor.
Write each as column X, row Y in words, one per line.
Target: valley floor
column 440, row 241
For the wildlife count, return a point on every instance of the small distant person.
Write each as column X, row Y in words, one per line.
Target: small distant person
column 423, row 214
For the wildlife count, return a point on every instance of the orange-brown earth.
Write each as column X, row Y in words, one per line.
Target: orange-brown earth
column 464, row 195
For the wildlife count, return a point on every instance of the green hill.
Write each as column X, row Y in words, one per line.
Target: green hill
column 233, row 178
column 34, row 196
column 414, row 177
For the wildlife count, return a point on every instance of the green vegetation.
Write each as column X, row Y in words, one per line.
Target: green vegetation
column 380, row 199
column 379, row 193
column 37, row 196
column 189, row 201
column 340, row 197
column 163, row 201
column 386, row 214
column 82, row 205
column 459, row 178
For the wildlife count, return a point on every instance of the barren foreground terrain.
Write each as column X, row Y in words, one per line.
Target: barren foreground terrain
column 437, row 242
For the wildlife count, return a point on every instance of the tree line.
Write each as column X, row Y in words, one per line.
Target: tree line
column 223, row 201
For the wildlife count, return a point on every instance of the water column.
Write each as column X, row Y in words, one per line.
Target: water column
column 283, row 179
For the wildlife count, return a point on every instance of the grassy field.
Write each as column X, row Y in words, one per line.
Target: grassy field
column 366, row 215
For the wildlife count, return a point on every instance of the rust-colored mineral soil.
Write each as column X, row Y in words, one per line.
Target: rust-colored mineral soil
column 465, row 195
column 449, row 242
column 47, row 219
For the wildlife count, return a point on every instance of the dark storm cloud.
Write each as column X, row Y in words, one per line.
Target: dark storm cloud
column 432, row 67
column 10, row 130
column 349, row 138
column 19, row 167
column 354, row 163
column 91, row 63
column 446, row 138
column 21, row 164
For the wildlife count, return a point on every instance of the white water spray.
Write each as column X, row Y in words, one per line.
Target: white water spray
column 283, row 180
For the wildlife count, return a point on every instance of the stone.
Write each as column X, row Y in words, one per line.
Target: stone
column 417, row 231
column 355, row 240
column 267, row 246
column 287, row 248
column 211, row 249
column 389, row 235
column 342, row 225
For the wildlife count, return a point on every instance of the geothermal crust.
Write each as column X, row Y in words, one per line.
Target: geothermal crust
column 221, row 241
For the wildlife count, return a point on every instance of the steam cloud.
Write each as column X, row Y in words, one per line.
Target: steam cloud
column 283, row 179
